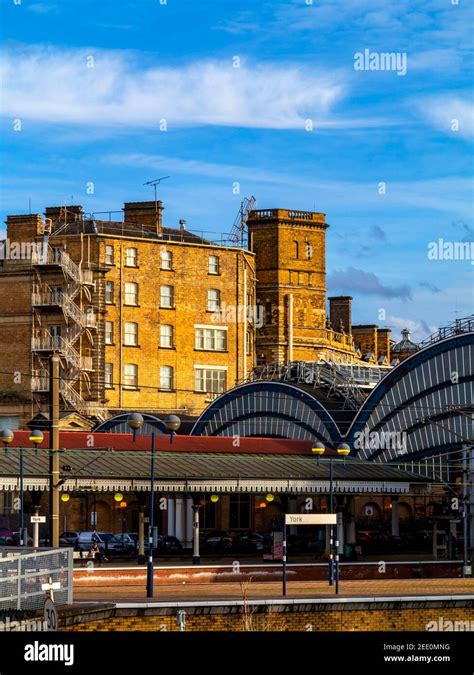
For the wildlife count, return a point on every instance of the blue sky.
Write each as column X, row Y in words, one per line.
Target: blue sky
column 264, row 95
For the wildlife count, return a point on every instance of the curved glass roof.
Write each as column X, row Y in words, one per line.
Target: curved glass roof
column 271, row 409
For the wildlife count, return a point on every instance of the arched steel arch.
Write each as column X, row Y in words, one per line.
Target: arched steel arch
column 271, row 409
column 118, row 425
column 423, row 385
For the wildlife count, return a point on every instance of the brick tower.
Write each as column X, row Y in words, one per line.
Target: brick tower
column 290, row 248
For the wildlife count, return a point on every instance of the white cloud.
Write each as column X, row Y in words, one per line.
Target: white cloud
column 47, row 85
column 451, row 195
column 419, row 329
column 443, row 111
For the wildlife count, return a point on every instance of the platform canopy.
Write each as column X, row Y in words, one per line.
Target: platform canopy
column 109, row 470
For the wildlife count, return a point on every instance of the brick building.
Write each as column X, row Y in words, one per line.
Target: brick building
column 160, row 319
column 290, row 249
column 133, row 308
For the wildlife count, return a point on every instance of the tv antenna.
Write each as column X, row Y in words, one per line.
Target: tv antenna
column 154, row 183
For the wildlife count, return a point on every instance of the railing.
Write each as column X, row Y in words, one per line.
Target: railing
column 49, row 343
column 60, row 258
column 465, row 325
column 314, row 374
column 50, row 297
column 261, row 214
column 23, row 572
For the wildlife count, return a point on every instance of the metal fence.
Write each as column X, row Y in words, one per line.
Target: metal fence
column 24, row 571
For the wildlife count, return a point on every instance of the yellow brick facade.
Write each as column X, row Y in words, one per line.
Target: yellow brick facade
column 370, row 619
column 227, row 356
column 137, row 353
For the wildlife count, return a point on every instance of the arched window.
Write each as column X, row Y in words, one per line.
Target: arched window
column 309, row 251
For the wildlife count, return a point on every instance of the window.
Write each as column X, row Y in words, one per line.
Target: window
column 239, row 511
column 213, row 264
column 131, row 257
column 109, row 255
column 208, row 516
column 109, row 332
column 166, row 297
column 56, row 294
column 131, row 293
column 109, row 375
column 210, row 380
column 55, row 332
column 130, row 376
column 213, row 300
column 13, row 421
column 213, row 339
column 166, row 260
column 268, row 312
column 109, row 292
column 309, row 251
column 166, row 377
column 57, row 254
column 166, row 336
column 131, row 334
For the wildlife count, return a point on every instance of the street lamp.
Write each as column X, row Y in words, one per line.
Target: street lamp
column 135, row 422
column 343, row 450
column 172, row 423
column 6, row 437
column 36, row 437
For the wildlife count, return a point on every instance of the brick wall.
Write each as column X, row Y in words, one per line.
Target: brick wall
column 319, row 620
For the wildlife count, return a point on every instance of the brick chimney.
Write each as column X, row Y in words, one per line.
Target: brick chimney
column 145, row 213
column 340, row 313
column 24, row 227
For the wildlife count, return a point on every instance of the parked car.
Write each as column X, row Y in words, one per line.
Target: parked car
column 122, row 543
column 169, row 544
column 216, row 542
column 6, row 532
column 16, row 539
column 374, row 541
column 6, row 540
column 70, row 536
column 86, row 539
column 252, row 542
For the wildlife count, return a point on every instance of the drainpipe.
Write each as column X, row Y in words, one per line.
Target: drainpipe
column 244, row 350
column 120, row 375
column 290, row 327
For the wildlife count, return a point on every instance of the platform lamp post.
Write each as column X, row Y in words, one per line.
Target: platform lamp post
column 36, row 437
column 135, row 422
column 6, row 437
column 343, row 450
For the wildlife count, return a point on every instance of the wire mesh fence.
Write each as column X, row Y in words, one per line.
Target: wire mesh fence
column 24, row 573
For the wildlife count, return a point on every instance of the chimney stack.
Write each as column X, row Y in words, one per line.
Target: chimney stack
column 148, row 214
column 340, row 313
